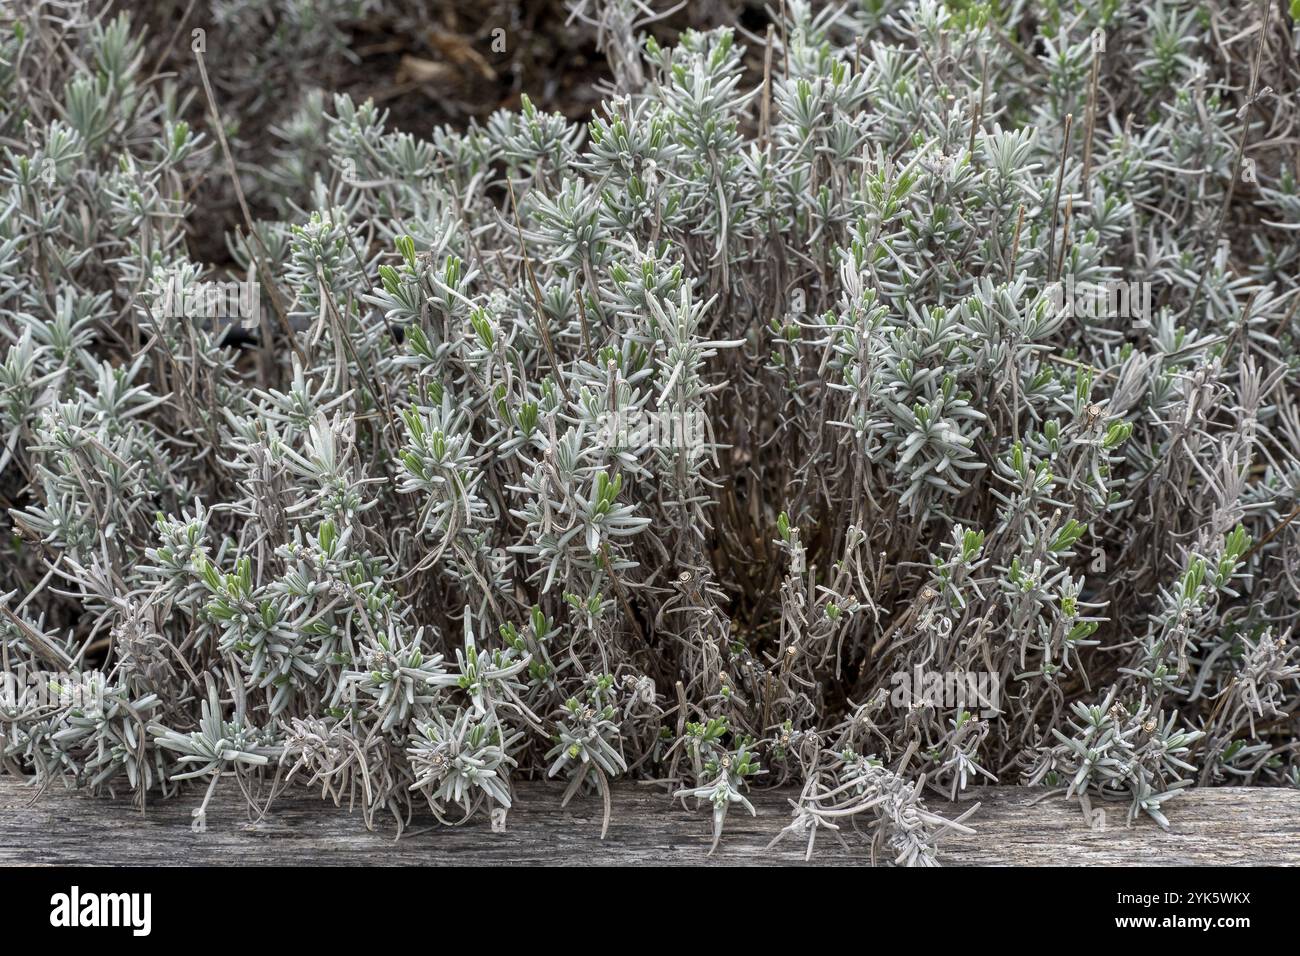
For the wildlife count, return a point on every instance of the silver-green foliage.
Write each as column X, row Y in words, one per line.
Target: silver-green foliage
column 385, row 548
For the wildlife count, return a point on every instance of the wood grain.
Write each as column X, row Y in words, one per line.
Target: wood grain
column 1014, row 827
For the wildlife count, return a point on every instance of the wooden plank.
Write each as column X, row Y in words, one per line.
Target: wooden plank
column 1212, row 825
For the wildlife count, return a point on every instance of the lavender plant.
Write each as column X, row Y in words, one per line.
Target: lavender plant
column 988, row 312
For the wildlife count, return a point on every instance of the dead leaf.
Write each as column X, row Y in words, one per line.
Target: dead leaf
column 459, row 50
column 413, row 69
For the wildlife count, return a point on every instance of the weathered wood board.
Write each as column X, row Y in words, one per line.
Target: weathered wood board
column 1249, row 826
